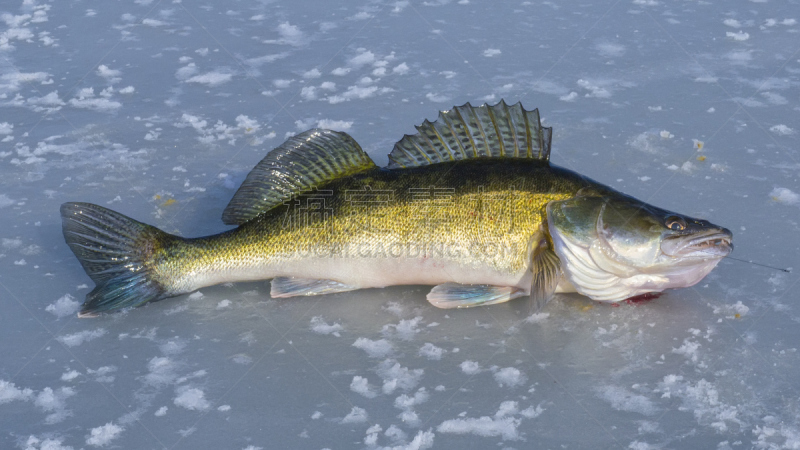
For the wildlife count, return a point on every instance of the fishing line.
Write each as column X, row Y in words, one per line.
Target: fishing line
column 759, row 264
column 748, row 261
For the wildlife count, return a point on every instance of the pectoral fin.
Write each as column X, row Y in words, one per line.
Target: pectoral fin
column 546, row 268
column 283, row 287
column 454, row 295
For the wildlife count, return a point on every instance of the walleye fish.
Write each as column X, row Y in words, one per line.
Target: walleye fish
column 470, row 204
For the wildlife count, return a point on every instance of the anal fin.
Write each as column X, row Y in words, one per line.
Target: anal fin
column 283, row 287
column 455, row 295
column 547, row 273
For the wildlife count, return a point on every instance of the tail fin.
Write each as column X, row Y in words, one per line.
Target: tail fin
column 116, row 252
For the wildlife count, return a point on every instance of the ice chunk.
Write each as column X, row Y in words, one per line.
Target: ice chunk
column 507, row 408
column 732, row 23
column 405, row 329
column 69, row 376
column 407, row 402
column 510, row 377
column 400, row 69
column 688, row 349
column 319, row 326
column 470, row 367
column 624, row 400
column 9, row 392
column 102, row 374
column 291, row 35
column 76, row 339
column 781, row 130
column 395, row 376
column 738, row 36
column 436, row 97
column 191, row 398
column 34, row 443
column 594, row 88
column 161, row 371
column 308, row 93
column 211, row 79
column 54, row 402
column 313, row 73
column 734, row 311
column 64, row 306
column 103, row 435
column 431, row 351
column 154, row 23
column 338, row 125
column 610, row 49
column 223, row 304
column 105, row 72
column 363, row 57
column 360, row 385
column 356, row 415
column 505, row 427
column 375, row 349
column 569, row 97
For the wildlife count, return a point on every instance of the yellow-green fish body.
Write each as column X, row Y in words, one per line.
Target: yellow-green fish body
column 460, row 222
column 463, row 206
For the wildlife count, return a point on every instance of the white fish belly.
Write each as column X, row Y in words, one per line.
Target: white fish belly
column 364, row 273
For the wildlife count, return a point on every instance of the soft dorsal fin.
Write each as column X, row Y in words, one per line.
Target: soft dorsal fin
column 302, row 162
column 467, row 132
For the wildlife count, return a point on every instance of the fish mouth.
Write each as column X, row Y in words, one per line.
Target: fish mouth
column 710, row 244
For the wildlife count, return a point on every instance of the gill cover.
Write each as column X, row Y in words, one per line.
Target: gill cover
column 606, row 247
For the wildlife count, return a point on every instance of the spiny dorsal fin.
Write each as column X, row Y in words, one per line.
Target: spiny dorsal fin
column 467, row 132
column 299, row 164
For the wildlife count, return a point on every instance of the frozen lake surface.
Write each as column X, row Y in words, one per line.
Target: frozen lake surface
column 158, row 109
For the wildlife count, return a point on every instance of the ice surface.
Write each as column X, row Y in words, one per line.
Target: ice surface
column 159, row 109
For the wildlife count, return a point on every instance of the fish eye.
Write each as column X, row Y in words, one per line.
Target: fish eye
column 675, row 223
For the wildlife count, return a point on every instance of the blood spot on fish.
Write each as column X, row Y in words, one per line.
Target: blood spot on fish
column 643, row 298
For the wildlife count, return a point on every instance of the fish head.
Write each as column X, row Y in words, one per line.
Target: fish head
column 614, row 247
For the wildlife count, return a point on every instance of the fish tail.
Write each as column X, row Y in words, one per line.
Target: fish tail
column 117, row 252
